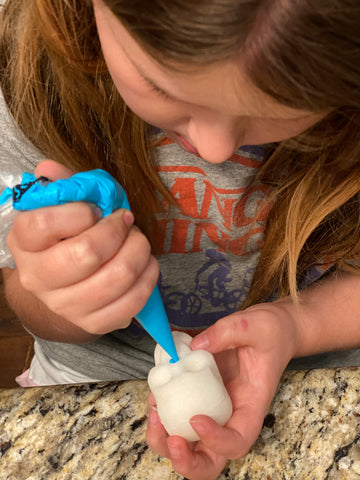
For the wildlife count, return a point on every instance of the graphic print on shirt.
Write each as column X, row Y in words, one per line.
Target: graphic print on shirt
column 209, row 246
column 213, row 284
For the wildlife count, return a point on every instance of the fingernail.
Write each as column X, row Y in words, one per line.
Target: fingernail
column 198, row 427
column 153, row 417
column 200, row 342
column 128, row 218
column 97, row 210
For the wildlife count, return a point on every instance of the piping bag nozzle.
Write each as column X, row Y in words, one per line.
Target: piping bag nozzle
column 154, row 320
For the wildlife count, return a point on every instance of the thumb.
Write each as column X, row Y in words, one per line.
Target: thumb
column 227, row 333
column 52, row 170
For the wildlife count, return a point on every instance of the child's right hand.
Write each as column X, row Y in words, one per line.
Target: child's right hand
column 97, row 273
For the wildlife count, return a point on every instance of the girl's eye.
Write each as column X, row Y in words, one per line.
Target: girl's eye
column 160, row 92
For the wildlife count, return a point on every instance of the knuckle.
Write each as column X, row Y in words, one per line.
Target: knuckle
column 142, row 298
column 10, row 240
column 144, row 293
column 145, row 244
column 18, row 224
column 86, row 322
column 125, row 271
column 95, row 324
column 149, row 287
column 27, row 280
column 41, row 220
column 238, row 448
column 128, row 270
column 141, row 240
column 56, row 303
column 155, row 442
column 241, row 452
column 269, row 329
column 83, row 253
column 92, row 328
column 125, row 323
column 235, row 328
column 153, row 275
column 155, row 267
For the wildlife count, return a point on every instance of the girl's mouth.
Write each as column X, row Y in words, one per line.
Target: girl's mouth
column 186, row 145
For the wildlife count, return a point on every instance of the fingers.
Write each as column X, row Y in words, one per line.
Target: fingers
column 156, row 435
column 266, row 330
column 116, row 268
column 66, row 262
column 195, row 464
column 98, row 278
column 39, row 229
column 227, row 333
column 117, row 314
column 236, row 438
column 250, row 335
column 206, row 458
column 190, row 460
column 89, row 246
column 224, row 441
column 52, row 170
column 237, row 330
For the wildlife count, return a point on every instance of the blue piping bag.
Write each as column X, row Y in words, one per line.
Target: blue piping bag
column 100, row 188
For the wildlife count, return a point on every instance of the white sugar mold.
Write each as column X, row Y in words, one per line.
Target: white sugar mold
column 191, row 386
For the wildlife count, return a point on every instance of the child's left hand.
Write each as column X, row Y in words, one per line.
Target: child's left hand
column 252, row 349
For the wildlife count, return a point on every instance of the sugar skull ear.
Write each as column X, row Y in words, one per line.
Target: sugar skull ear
column 189, row 387
column 159, row 376
column 198, row 360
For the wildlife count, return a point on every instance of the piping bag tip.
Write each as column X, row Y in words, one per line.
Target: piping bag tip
column 154, row 320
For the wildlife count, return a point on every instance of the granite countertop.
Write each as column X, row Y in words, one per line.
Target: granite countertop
column 97, row 432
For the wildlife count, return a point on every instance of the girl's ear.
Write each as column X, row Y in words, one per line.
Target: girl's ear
column 52, row 170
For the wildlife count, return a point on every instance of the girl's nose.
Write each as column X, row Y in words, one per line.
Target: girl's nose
column 215, row 137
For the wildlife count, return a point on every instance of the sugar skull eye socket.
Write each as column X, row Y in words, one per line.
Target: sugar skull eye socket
column 197, row 360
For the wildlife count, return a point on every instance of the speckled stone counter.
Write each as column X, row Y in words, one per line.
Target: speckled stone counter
column 97, row 431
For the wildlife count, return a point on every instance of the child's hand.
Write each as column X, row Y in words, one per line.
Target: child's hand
column 96, row 273
column 252, row 348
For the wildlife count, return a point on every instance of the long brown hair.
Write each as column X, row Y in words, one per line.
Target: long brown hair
column 304, row 54
column 56, row 84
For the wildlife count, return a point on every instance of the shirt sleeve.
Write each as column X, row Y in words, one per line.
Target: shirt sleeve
column 17, row 155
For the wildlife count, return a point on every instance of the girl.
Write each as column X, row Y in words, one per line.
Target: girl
column 271, row 229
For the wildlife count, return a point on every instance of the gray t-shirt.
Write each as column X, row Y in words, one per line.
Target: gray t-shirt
column 208, row 249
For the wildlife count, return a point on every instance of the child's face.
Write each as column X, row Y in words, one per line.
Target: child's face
column 211, row 111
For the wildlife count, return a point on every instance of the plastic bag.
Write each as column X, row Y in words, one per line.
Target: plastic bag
column 7, row 217
column 95, row 186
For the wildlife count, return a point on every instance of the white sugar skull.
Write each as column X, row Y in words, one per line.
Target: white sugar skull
column 191, row 386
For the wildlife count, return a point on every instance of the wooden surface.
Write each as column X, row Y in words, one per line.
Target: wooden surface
column 16, row 345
